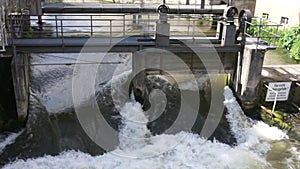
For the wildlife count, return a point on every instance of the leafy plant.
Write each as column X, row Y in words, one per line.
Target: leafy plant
column 30, row 32
column 288, row 37
column 295, row 50
column 199, row 23
column 259, row 28
column 253, row 30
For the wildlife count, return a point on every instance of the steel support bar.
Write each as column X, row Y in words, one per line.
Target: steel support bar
column 131, row 44
column 124, row 8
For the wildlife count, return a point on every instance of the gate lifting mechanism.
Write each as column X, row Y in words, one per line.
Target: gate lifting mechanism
column 226, row 29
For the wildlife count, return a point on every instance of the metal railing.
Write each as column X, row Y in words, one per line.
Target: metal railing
column 262, row 31
column 63, row 26
column 179, row 3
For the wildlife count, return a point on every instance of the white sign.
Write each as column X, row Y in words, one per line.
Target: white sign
column 283, row 89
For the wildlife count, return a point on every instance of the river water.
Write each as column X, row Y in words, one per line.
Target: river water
column 53, row 138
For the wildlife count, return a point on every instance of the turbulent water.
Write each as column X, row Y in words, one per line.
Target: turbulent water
column 51, row 130
column 188, row 150
column 8, row 139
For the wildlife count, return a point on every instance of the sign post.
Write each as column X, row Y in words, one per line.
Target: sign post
column 282, row 88
column 278, row 91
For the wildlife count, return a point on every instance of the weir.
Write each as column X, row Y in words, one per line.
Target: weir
column 239, row 54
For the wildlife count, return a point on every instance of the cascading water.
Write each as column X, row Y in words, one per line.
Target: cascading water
column 52, row 130
column 188, row 150
column 8, row 139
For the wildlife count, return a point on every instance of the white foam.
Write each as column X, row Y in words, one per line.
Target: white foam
column 138, row 149
column 191, row 152
column 198, row 84
column 245, row 129
column 120, row 97
column 134, row 132
column 9, row 140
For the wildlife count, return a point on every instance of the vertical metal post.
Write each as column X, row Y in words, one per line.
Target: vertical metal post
column 124, row 25
column 178, row 6
column 91, row 20
column 192, row 60
column 188, row 33
column 193, row 30
column 110, row 31
column 275, row 99
column 56, row 26
column 202, row 4
column 238, row 71
column 40, row 22
column 275, row 39
column 148, row 25
column 12, row 27
column 62, row 32
column 259, row 29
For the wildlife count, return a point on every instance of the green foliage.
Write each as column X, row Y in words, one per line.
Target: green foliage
column 30, row 32
column 199, row 23
column 260, row 28
column 290, row 40
column 288, row 37
column 253, row 30
column 203, row 21
column 295, row 50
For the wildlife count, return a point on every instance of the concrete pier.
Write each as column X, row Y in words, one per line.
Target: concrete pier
column 250, row 72
column 20, row 74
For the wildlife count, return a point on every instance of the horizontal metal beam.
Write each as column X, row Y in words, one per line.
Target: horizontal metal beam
column 130, row 44
column 120, row 48
column 124, row 8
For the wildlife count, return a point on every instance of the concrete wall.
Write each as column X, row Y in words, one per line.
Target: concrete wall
column 20, row 75
column 278, row 8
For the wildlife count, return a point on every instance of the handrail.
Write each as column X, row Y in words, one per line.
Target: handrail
column 266, row 31
column 176, row 8
column 63, row 26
